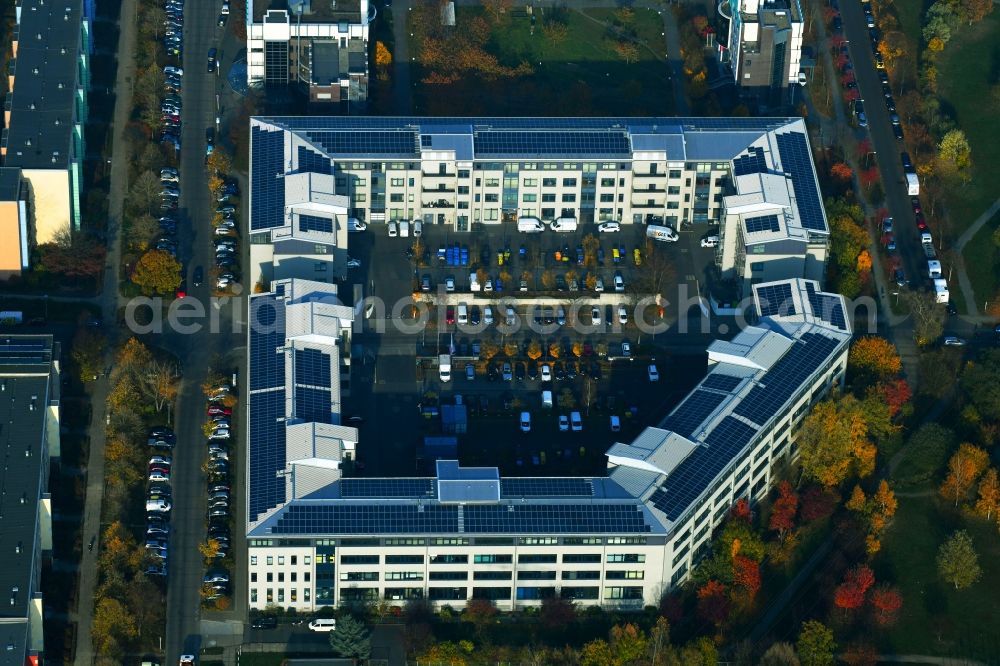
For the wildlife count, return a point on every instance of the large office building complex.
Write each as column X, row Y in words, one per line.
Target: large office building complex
column 319, row 45
column 316, row 538
column 764, row 48
column 45, row 112
column 29, row 440
column 755, row 176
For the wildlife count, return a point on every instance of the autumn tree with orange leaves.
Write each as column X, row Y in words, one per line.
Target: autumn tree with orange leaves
column 874, row 357
column 886, row 601
column 713, row 602
column 964, row 469
column 988, row 501
column 782, row 517
column 834, row 442
column 850, row 595
column 842, row 172
column 874, row 512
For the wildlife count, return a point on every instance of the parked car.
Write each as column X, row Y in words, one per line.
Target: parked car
column 576, row 423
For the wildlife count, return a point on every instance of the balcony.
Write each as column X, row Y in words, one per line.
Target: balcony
column 648, row 174
column 440, row 203
column 439, row 188
column 648, row 204
column 652, row 189
column 453, row 174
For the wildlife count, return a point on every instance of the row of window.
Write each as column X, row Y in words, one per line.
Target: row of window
column 373, row 576
column 514, row 167
column 521, row 593
column 523, row 558
column 293, row 560
column 271, row 598
column 293, row 576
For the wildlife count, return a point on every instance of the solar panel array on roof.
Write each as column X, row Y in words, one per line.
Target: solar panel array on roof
column 692, row 412
column 267, row 451
column 694, row 474
column 351, row 519
column 762, row 223
column 452, row 124
column 370, row 142
column 313, row 404
column 552, row 143
column 267, row 334
column 388, row 487
column 312, row 367
column 776, row 299
column 827, row 307
column 310, row 161
column 267, row 192
column 795, row 161
column 554, row 519
column 23, row 351
column 315, row 223
column 546, row 487
column 720, row 382
column 785, row 377
column 753, row 162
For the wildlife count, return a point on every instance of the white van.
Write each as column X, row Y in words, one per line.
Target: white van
column 564, row 224
column 404, row 229
column 393, row 232
column 547, row 399
column 474, row 283
column 418, row 228
column 530, row 225
column 933, row 268
column 323, row 624
column 661, row 233
column 463, row 313
column 161, row 505
column 354, row 224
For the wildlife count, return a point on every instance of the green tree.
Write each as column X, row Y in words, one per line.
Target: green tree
column 980, row 385
column 954, row 150
column 88, row 350
column 927, row 313
column 834, row 442
column 351, row 640
column 957, row 561
column 816, row 646
column 157, row 272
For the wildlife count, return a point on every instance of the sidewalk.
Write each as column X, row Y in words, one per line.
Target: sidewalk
column 963, row 277
column 84, row 615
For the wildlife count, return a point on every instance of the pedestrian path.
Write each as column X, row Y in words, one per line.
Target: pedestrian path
column 964, row 283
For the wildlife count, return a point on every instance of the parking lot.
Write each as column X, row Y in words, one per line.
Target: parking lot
column 498, row 341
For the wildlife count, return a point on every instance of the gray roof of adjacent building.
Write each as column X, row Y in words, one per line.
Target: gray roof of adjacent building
column 10, row 183
column 43, row 100
column 25, row 394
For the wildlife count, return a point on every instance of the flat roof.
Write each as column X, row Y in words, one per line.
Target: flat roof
column 25, row 367
column 313, row 11
column 45, row 83
column 10, row 183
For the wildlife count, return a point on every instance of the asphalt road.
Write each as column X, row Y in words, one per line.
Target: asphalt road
column 887, row 147
column 197, row 351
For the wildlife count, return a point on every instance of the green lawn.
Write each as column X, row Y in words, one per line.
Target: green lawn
column 936, row 619
column 966, row 73
column 581, row 76
column 982, row 262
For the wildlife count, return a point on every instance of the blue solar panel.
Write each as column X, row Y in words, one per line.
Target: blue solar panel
column 343, row 518
column 567, row 143
column 314, row 223
column 546, row 487
column 313, row 405
column 312, row 368
column 267, row 334
column 753, row 162
column 827, row 307
column 554, row 519
column 695, row 473
column 310, row 161
column 775, row 299
column 692, row 412
column 786, row 377
column 402, row 142
column 267, row 191
column 762, row 223
column 720, row 382
column 414, row 488
column 267, row 451
column 796, row 162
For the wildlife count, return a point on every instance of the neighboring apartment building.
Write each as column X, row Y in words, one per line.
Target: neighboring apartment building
column 461, row 172
column 46, row 110
column 16, row 227
column 319, row 45
column 763, row 49
column 315, row 538
column 774, row 226
column 29, row 440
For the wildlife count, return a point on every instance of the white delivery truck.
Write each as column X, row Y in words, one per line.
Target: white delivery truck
column 941, row 294
column 912, row 184
column 563, row 224
column 404, row 228
column 933, row 268
column 661, row 233
column 444, row 367
column 530, row 225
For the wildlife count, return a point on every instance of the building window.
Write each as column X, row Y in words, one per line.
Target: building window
column 270, row 577
column 293, row 595
column 581, row 575
column 396, row 197
column 294, row 560
column 492, row 575
column 492, row 559
column 295, row 576
column 607, row 182
column 623, row 593
column 491, row 214
column 624, row 575
column 630, row 558
column 358, row 575
column 530, row 593
column 306, row 593
column 404, row 559
column 396, row 182
column 253, row 576
column 569, row 182
column 569, row 592
column 581, row 558
column 404, row 575
column 548, row 198
column 536, row 558
column 307, row 559
column 569, row 198
column 536, row 575
column 281, row 576
column 530, row 198
column 448, row 575
column 253, row 560
column 270, row 560
column 531, row 182
column 359, row 559
column 253, row 595
column 449, row 559
column 582, row 541
column 538, row 541
column 492, row 182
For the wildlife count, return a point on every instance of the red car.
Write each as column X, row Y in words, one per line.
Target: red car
column 915, row 202
column 921, row 223
column 218, row 410
column 450, row 314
